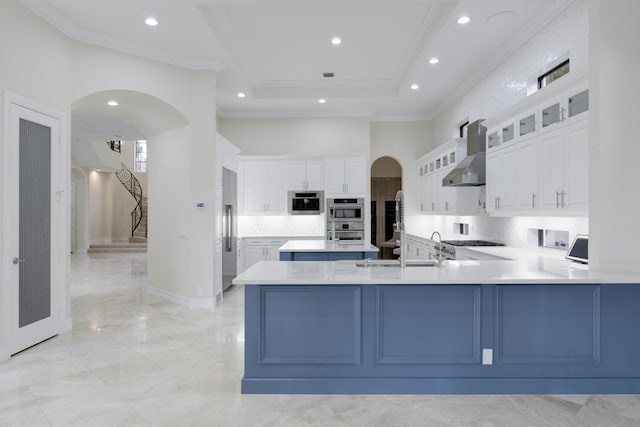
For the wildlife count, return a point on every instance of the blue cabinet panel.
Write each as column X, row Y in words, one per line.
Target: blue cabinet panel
column 308, row 256
column 326, row 256
column 548, row 324
column 337, row 256
column 428, row 324
column 286, row 256
column 310, row 324
column 428, row 338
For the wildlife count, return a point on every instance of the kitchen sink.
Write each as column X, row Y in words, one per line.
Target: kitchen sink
column 396, row 263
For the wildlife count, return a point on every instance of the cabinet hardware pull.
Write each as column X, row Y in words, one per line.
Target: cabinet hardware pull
column 17, row 260
column 533, row 200
column 563, row 194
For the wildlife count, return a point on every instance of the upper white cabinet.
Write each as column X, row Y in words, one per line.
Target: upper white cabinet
column 346, row 176
column 305, row 174
column 263, row 187
column 564, row 157
column 436, row 198
column 544, row 171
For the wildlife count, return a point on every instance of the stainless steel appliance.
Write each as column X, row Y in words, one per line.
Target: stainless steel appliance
column 229, row 227
column 471, row 170
column 448, row 247
column 345, row 219
column 306, row 203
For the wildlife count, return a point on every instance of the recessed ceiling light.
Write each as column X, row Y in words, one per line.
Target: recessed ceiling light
column 151, row 21
column 112, row 103
column 464, row 19
column 322, row 101
column 415, row 86
column 241, row 95
column 433, row 61
column 336, row 41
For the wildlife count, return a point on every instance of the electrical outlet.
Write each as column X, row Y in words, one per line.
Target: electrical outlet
column 487, row 356
column 200, row 291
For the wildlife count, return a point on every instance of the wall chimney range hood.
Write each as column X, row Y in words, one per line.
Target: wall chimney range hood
column 471, row 170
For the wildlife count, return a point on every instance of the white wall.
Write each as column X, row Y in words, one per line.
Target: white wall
column 613, row 137
column 100, row 206
column 301, row 136
column 507, row 83
column 37, row 68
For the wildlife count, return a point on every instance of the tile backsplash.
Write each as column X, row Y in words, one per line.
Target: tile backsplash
column 513, row 231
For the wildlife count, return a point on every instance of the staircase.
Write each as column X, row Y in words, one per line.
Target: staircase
column 124, row 247
column 140, row 233
column 139, row 213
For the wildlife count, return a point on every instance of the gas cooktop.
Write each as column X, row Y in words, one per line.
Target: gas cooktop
column 471, row 243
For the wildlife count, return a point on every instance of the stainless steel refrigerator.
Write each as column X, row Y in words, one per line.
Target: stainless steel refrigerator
column 229, row 227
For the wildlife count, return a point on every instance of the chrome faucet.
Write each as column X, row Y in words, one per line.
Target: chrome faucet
column 439, row 247
column 400, row 227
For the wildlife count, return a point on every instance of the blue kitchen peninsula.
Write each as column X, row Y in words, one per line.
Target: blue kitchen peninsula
column 326, row 250
column 544, row 326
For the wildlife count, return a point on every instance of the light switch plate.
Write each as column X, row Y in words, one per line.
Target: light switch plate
column 487, row 356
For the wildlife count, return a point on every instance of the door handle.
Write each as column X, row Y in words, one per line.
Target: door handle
column 19, row 260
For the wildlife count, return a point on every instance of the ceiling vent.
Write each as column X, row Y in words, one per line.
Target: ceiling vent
column 328, row 75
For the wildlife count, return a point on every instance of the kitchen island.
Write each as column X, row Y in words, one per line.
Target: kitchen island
column 326, row 250
column 542, row 326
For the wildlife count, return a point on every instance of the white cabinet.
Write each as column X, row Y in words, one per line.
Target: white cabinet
column 501, row 181
column 545, row 170
column 434, row 198
column 261, row 249
column 263, row 187
column 346, row 176
column 528, row 175
column 466, row 254
column 305, row 174
column 564, row 159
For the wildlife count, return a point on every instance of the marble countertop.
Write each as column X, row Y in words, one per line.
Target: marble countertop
column 326, row 246
column 533, row 270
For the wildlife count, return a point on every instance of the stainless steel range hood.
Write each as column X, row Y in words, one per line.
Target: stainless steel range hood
column 471, row 170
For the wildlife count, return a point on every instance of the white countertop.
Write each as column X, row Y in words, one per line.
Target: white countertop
column 326, row 246
column 534, row 270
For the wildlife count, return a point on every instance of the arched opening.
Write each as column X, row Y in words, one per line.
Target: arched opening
column 138, row 116
column 386, row 180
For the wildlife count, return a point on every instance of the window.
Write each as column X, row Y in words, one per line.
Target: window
column 553, row 74
column 140, row 156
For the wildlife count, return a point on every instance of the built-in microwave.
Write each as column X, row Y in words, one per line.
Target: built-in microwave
column 346, row 209
column 306, row 203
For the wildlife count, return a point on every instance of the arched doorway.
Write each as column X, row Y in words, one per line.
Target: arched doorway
column 138, row 116
column 386, row 180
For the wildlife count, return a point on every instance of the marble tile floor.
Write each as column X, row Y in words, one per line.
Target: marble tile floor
column 136, row 360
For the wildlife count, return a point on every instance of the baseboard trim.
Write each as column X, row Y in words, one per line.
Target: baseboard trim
column 68, row 325
column 191, row 303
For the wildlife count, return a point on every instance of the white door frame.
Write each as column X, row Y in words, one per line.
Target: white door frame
column 9, row 340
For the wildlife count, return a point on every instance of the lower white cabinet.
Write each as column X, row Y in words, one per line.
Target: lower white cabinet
column 465, row 254
column 501, row 181
column 260, row 249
